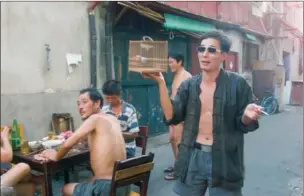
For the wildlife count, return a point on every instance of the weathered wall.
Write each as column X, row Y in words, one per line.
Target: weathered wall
column 291, row 45
column 294, row 17
column 295, row 63
column 25, row 29
column 237, row 46
column 238, row 41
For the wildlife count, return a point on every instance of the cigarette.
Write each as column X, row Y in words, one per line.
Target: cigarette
column 265, row 113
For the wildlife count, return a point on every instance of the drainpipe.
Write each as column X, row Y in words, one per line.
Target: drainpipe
column 108, row 53
column 108, row 49
column 93, row 49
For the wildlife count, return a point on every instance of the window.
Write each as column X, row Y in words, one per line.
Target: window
column 250, row 55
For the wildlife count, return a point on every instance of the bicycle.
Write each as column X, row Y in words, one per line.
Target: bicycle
column 269, row 103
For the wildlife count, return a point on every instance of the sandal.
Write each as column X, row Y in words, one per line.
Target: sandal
column 171, row 176
column 169, row 169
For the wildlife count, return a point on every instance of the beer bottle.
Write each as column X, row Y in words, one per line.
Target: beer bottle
column 15, row 136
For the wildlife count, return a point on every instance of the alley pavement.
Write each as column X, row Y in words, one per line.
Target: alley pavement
column 273, row 158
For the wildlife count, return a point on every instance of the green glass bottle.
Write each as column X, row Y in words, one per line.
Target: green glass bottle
column 15, row 136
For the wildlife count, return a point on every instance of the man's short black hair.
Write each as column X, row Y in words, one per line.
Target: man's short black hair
column 177, row 56
column 111, row 87
column 93, row 94
column 225, row 42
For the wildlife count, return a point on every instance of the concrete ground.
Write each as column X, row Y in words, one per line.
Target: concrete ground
column 273, row 158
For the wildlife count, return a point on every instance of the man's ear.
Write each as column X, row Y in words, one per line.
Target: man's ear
column 98, row 103
column 180, row 63
column 224, row 56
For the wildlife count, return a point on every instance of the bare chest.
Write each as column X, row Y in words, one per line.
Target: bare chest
column 178, row 79
column 175, row 84
column 206, row 97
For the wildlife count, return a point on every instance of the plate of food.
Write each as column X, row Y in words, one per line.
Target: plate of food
column 52, row 144
column 35, row 145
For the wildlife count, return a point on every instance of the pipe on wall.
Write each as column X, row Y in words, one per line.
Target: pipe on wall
column 93, row 50
column 109, row 41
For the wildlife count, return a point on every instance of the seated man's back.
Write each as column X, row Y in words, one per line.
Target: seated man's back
column 106, row 146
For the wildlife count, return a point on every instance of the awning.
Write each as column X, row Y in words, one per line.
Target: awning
column 144, row 10
column 175, row 22
column 250, row 37
column 218, row 23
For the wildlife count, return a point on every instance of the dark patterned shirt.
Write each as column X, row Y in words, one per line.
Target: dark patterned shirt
column 231, row 96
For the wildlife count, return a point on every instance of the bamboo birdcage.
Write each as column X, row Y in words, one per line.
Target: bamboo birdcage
column 148, row 55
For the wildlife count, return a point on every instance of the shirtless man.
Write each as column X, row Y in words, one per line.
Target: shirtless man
column 105, row 141
column 17, row 177
column 176, row 63
column 217, row 110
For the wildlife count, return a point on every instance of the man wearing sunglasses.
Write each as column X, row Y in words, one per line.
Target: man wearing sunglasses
column 217, row 110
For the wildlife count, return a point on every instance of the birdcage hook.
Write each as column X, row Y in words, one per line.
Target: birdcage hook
column 171, row 35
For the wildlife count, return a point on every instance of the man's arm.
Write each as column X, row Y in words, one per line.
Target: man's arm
column 6, row 155
column 165, row 100
column 244, row 98
column 177, row 105
column 6, row 148
column 174, row 111
column 133, row 128
column 87, row 126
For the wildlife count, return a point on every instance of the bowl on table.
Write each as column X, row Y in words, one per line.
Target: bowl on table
column 35, row 145
column 52, row 144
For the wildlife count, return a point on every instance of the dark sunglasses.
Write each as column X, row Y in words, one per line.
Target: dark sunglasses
column 211, row 50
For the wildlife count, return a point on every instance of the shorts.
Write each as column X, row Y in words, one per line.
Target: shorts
column 1, row 178
column 98, row 187
column 199, row 176
column 6, row 191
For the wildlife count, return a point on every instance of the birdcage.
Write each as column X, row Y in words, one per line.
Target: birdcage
column 148, row 55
